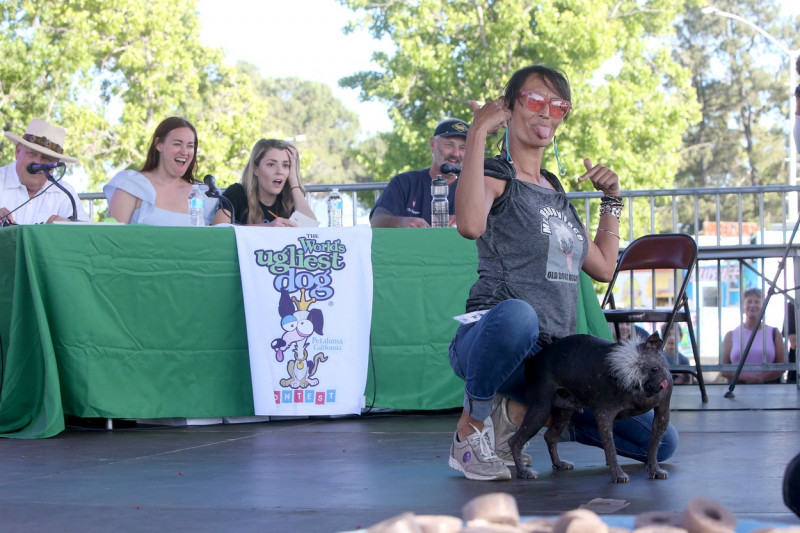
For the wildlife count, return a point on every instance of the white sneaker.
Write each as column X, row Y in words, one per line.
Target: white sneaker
column 475, row 457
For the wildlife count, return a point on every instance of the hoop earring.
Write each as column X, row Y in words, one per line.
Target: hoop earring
column 508, row 150
column 561, row 169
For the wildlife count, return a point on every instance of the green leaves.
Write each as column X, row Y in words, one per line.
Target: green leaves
column 741, row 83
column 309, row 112
column 110, row 71
column 641, row 72
column 450, row 52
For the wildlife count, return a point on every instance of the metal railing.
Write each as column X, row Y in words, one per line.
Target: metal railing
column 688, row 210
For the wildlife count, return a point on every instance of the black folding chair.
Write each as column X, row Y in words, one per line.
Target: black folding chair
column 670, row 251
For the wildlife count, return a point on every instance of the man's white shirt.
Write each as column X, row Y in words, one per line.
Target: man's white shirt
column 52, row 201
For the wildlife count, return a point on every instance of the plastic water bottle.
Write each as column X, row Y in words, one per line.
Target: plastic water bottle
column 197, row 206
column 335, row 209
column 440, row 205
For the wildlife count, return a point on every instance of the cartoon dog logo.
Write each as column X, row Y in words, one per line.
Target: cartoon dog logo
column 299, row 323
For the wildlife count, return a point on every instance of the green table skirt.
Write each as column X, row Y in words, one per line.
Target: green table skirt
column 148, row 322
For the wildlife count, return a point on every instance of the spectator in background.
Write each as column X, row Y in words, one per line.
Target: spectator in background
column 406, row 201
column 672, row 340
column 270, row 189
column 625, row 331
column 767, row 345
column 27, row 198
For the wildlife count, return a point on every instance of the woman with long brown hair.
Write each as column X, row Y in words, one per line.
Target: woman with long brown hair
column 158, row 193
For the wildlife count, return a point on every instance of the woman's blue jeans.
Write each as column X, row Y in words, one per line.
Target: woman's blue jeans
column 631, row 435
column 489, row 356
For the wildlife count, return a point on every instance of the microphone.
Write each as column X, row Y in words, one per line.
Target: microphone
column 447, row 168
column 213, row 191
column 36, row 168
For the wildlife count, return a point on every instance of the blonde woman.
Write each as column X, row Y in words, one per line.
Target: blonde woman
column 270, row 189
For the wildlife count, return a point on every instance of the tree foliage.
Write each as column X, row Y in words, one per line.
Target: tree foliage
column 110, row 70
column 741, row 84
column 632, row 101
column 309, row 111
column 641, row 71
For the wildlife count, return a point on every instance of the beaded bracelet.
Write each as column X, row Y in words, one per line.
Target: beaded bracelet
column 613, row 208
column 611, row 204
column 618, row 203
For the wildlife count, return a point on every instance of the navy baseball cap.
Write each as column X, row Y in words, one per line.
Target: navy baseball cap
column 451, row 127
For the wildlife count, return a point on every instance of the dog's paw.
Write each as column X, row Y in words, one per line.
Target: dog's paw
column 658, row 473
column 563, row 465
column 527, row 473
column 619, row 477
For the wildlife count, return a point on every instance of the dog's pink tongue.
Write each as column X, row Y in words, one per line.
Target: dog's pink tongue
column 542, row 131
column 663, row 385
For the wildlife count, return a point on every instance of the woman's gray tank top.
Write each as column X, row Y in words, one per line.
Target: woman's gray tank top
column 533, row 249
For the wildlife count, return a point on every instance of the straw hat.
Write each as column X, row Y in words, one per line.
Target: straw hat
column 45, row 139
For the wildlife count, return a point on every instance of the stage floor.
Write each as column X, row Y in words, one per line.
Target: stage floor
column 330, row 475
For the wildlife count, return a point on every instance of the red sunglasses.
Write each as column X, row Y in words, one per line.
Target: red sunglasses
column 559, row 108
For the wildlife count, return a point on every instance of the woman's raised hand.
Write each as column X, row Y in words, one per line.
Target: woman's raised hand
column 603, row 178
column 491, row 116
column 294, row 166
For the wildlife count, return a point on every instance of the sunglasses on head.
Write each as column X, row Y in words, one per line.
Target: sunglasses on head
column 537, row 101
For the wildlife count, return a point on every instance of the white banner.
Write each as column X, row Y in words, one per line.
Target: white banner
column 308, row 304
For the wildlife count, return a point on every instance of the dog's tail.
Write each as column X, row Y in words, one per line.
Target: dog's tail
column 313, row 364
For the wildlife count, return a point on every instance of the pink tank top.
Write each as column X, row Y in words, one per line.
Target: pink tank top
column 756, row 355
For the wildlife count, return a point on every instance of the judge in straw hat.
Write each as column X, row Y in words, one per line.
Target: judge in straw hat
column 27, row 198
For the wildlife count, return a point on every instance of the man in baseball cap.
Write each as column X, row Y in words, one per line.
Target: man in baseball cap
column 406, row 200
column 27, row 197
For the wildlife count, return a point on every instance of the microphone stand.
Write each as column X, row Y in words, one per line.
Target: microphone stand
column 48, row 174
column 224, row 200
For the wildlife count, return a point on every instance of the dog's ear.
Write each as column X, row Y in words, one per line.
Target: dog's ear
column 654, row 341
column 317, row 320
column 285, row 304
